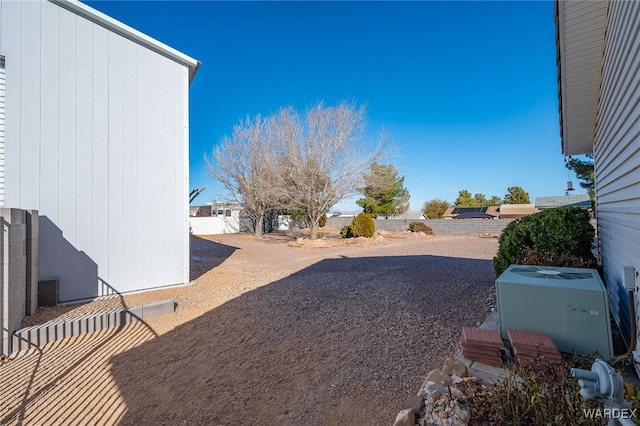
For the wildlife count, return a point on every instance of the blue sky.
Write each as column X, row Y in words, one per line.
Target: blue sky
column 466, row 90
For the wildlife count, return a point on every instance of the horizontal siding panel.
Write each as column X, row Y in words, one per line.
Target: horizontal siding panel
column 619, row 236
column 627, row 145
column 620, row 208
column 617, row 155
column 619, row 101
column 623, row 198
column 618, row 174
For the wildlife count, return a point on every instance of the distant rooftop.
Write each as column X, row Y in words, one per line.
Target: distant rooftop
column 582, row 201
column 483, row 212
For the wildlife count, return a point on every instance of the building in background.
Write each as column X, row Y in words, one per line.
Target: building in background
column 581, row 201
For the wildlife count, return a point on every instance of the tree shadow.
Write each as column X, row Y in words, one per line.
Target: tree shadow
column 344, row 341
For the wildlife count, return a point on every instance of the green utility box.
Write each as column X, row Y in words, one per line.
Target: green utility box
column 569, row 304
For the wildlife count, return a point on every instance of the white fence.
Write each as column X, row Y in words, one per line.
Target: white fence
column 215, row 224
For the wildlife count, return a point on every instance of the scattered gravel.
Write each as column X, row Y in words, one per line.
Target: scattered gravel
column 268, row 333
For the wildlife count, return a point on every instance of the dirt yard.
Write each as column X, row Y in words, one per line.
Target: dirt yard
column 269, row 332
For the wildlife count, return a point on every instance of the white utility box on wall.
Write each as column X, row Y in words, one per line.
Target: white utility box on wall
column 568, row 304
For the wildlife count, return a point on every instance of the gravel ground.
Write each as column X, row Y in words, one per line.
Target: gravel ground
column 266, row 333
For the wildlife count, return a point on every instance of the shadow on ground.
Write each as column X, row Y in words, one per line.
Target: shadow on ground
column 345, row 341
column 207, row 254
column 49, row 385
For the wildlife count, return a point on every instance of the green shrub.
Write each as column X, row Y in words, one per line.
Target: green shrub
column 346, row 232
column 420, row 227
column 297, row 215
column 363, row 226
column 558, row 234
column 323, row 220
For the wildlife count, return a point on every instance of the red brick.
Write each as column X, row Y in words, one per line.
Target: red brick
column 531, row 341
column 481, row 337
column 528, row 352
column 481, row 349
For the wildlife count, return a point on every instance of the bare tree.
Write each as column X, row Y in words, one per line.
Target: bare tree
column 325, row 156
column 297, row 163
column 245, row 164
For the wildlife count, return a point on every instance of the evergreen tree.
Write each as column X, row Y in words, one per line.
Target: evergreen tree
column 464, row 199
column 584, row 170
column 495, row 201
column 384, row 192
column 516, row 195
column 480, row 200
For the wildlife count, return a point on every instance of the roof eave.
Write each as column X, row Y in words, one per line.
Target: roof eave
column 132, row 34
column 578, row 138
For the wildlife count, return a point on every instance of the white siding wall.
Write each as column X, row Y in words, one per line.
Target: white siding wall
column 617, row 155
column 1, row 131
column 96, row 137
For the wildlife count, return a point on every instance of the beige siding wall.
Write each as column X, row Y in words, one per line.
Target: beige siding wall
column 97, row 131
column 617, row 155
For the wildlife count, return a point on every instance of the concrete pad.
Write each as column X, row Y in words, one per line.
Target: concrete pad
column 492, row 321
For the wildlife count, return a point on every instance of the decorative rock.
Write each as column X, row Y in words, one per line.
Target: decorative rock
column 439, row 377
column 454, row 367
column 462, row 413
column 406, row 417
column 457, row 393
column 379, row 237
column 300, row 240
column 434, row 390
column 471, row 392
column 361, row 240
column 456, row 379
column 415, row 402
